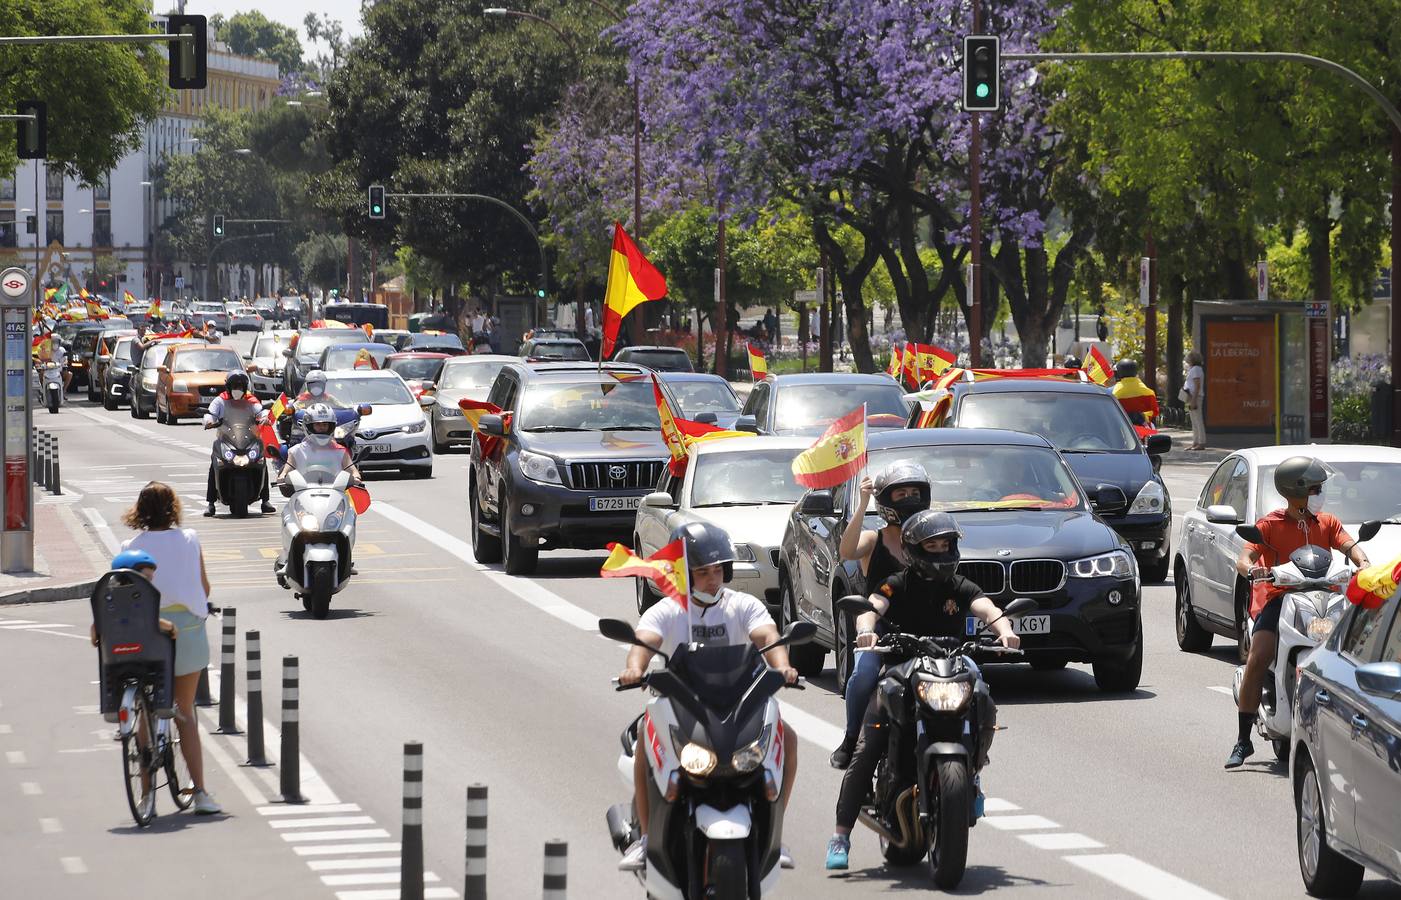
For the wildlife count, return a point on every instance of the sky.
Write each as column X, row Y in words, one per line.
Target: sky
column 289, row 12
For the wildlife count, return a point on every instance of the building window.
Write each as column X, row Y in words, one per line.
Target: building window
column 7, row 189
column 9, row 236
column 53, row 226
column 103, row 190
column 102, row 228
column 53, row 184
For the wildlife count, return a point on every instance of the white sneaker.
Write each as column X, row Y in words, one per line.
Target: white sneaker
column 148, row 805
column 635, row 857
column 785, row 859
column 205, row 804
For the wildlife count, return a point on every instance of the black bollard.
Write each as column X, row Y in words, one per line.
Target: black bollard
column 411, row 846
column 290, row 759
column 556, row 870
column 227, row 673
column 474, row 886
column 57, row 481
column 252, row 642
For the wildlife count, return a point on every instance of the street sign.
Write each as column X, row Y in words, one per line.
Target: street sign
column 17, row 506
column 179, row 282
column 1316, row 319
column 1145, row 279
column 805, row 298
column 717, row 285
column 14, row 282
column 1262, row 280
column 1315, row 310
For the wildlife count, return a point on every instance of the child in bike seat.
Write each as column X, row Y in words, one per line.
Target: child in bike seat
column 127, row 658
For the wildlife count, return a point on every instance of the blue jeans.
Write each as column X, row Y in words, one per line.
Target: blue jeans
column 865, row 674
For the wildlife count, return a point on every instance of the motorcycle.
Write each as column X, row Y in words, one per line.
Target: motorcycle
column 925, row 796
column 1311, row 607
column 239, row 470
column 716, row 744
column 50, row 385
column 318, row 536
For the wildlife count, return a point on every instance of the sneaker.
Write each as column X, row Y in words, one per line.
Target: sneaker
column 785, row 859
column 268, row 507
column 635, row 857
column 148, row 805
column 353, row 570
column 209, row 511
column 838, row 848
column 1239, row 753
column 841, row 757
column 205, row 805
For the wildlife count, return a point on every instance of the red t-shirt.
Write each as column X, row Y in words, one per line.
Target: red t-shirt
column 1283, row 536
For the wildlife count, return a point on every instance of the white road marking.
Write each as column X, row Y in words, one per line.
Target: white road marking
column 16, row 621
column 1020, row 823
column 369, row 878
column 30, row 788
column 350, row 834
column 1139, row 877
column 1220, row 690
column 36, row 625
column 6, row 729
column 345, row 849
column 73, row 865
column 16, row 757
column 996, row 805
column 307, row 809
column 330, row 865
column 322, row 822
column 1061, row 840
column 50, row 826
column 104, row 531
column 433, row 893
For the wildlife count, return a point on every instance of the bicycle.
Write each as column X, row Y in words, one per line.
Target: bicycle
column 150, row 749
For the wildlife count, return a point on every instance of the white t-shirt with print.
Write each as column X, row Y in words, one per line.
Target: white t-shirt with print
column 728, row 622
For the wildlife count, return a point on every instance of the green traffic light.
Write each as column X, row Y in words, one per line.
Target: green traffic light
column 540, row 294
column 982, row 90
column 378, row 209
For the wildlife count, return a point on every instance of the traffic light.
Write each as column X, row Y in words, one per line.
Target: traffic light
column 189, row 60
column 982, row 64
column 218, row 226
column 33, row 134
column 540, row 293
column 376, row 201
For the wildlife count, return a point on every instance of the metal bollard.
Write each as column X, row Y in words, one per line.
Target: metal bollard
column 57, row 481
column 556, row 870
column 290, row 759
column 227, row 673
column 253, row 643
column 202, row 697
column 47, row 464
column 411, row 846
column 34, row 456
column 474, row 886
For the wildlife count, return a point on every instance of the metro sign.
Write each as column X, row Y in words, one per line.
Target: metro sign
column 14, row 283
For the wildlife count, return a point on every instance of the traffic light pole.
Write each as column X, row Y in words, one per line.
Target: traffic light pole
column 975, row 222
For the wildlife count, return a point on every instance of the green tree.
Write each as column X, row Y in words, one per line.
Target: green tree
column 253, row 34
column 99, row 95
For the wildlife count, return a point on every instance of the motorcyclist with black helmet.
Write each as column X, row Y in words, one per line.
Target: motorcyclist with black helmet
column 714, row 614
column 929, row 599
column 901, row 489
column 235, row 394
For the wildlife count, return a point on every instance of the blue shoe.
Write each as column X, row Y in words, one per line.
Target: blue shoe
column 978, row 800
column 838, row 848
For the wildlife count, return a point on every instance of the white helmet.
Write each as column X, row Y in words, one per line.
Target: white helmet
column 315, row 382
column 320, row 423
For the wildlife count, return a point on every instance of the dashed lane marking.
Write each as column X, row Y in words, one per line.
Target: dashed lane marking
column 50, row 826
column 30, row 788
column 1138, row 877
column 1061, row 840
column 73, row 865
column 1021, row 823
column 322, row 822
column 338, row 849
column 16, row 758
column 1221, row 689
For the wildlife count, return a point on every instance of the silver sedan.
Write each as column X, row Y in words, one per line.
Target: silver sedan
column 463, row 377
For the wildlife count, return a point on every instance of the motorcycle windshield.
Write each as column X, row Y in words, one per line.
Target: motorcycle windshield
column 719, row 676
column 238, row 435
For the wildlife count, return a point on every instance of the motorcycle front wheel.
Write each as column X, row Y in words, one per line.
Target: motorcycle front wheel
column 53, row 400
column 729, row 875
column 323, row 578
column 948, row 844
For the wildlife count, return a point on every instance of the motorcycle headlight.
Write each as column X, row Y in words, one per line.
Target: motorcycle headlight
column 415, row 428
column 1114, row 564
column 944, row 696
column 1308, row 622
column 539, row 467
column 341, row 432
column 228, row 455
column 697, row 760
column 1150, row 500
column 240, row 460
column 252, row 453
column 747, row 759
column 308, row 523
column 333, row 522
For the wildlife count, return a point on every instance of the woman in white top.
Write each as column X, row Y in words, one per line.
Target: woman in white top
column 181, row 578
column 1193, row 390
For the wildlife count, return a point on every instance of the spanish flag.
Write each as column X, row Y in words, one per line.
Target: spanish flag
column 933, row 361
column 909, row 367
column 1374, row 585
column 837, row 455
column 1135, row 396
column 95, row 310
column 279, row 407
column 666, row 568
column 128, row 297
column 679, row 434
column 892, row 368
column 155, row 311
column 758, row 366
column 1098, row 368
column 365, row 360
column 473, row 410
column 632, row 280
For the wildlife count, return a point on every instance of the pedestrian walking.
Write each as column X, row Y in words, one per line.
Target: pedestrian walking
column 183, row 582
column 1192, row 393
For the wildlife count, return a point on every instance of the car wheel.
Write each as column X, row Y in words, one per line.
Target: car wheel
column 439, row 446
column 137, row 410
column 421, row 471
column 160, row 416
column 486, row 548
column 1191, row 636
column 1114, row 676
column 520, row 559
column 109, row 402
column 844, row 655
column 92, row 392
column 643, row 587
column 806, row 658
column 1326, row 872
column 1155, row 572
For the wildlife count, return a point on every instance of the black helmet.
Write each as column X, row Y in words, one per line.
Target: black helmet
column 1126, row 368
column 901, row 473
column 706, row 545
column 921, row 527
column 1071, row 361
column 1298, row 474
column 237, row 381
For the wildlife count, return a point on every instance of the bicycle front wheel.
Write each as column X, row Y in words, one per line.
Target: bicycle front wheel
column 137, row 764
column 177, row 770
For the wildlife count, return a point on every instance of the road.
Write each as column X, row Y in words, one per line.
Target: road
column 506, row 683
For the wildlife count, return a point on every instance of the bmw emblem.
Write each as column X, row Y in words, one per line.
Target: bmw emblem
column 1115, row 598
column 1004, row 553
column 617, row 473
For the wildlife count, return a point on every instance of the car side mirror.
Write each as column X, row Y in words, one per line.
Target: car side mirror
column 1110, row 498
column 707, row 418
column 1250, row 533
column 659, row 500
column 1221, row 514
column 817, row 504
column 426, row 401
column 104, row 358
column 428, row 386
column 491, row 424
column 747, row 423
column 288, row 353
column 1158, row 444
column 1380, row 679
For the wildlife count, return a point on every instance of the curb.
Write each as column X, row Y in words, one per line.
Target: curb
column 72, row 591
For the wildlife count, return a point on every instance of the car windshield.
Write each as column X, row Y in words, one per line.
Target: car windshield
column 434, row 341
column 703, row 396
column 311, row 343
column 752, row 478
column 416, row 369
column 155, row 357
column 354, row 391
column 1357, row 492
column 268, row 347
column 208, row 308
column 559, row 350
column 1078, row 423
column 207, row 361
column 661, row 360
column 986, row 477
column 470, row 376
column 810, row 408
column 605, row 405
column 345, row 357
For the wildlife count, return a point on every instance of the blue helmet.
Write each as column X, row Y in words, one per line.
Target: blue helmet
column 133, row 559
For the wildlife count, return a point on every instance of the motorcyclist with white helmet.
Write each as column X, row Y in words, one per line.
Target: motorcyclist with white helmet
column 319, row 450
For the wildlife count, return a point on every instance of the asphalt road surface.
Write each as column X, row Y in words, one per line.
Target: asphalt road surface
column 506, row 682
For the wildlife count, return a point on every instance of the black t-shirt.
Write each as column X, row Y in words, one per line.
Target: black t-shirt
column 928, row 608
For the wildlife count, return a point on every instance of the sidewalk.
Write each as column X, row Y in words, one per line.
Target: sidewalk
column 68, row 559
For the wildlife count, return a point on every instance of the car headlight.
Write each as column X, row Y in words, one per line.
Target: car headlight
column 747, row 759
column 1114, row 564
column 228, row 455
column 697, row 760
column 341, row 432
column 449, row 411
column 744, row 553
column 539, row 467
column 415, row 428
column 180, row 387
column 1150, row 500
column 944, row 696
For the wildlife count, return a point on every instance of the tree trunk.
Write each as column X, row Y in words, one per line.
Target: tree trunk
column 851, row 278
column 1176, row 315
column 1320, row 255
column 357, row 279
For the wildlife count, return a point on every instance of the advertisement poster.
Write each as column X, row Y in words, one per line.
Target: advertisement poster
column 1318, row 376
column 1240, row 373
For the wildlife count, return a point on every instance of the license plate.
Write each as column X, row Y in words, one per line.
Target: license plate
column 1023, row 625
column 614, row 504
column 381, row 448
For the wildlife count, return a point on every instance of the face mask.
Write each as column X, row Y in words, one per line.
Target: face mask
column 319, row 440
column 705, row 599
column 1315, row 503
column 237, row 395
column 908, row 506
column 315, row 389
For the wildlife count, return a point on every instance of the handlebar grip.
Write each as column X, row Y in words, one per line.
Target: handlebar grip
column 629, row 687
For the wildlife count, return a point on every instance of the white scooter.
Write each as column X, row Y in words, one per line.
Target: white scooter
column 49, row 385
column 1312, row 605
column 318, row 536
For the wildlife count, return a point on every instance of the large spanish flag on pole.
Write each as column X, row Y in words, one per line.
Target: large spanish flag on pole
column 758, row 365
column 666, row 568
column 632, row 280
column 1098, row 368
column 836, row 456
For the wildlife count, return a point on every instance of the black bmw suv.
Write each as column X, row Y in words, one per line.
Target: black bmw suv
column 567, row 462
column 1029, row 530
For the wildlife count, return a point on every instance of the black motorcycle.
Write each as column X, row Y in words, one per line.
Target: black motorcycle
column 924, row 801
column 239, row 470
column 715, row 744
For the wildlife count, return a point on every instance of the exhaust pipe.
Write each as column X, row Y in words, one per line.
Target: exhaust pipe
column 620, row 826
column 904, row 812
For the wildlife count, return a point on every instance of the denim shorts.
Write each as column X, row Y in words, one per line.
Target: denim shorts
column 191, row 644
